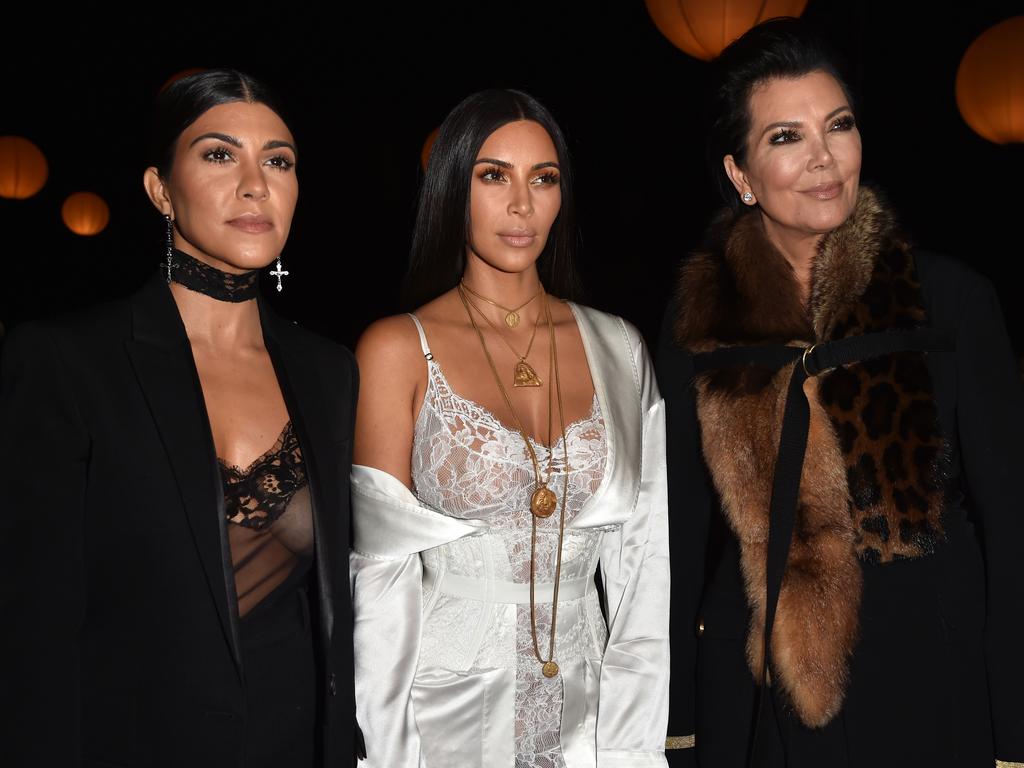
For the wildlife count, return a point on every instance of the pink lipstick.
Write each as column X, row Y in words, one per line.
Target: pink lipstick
column 826, row 191
column 518, row 239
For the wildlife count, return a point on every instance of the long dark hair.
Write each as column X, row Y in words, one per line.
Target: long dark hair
column 778, row 48
column 182, row 102
column 438, row 255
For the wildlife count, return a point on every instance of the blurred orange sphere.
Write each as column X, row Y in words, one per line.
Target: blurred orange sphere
column 702, row 28
column 990, row 83
column 23, row 168
column 85, row 213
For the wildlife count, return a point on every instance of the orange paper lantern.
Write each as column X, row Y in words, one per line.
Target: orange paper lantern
column 702, row 28
column 85, row 213
column 990, row 83
column 427, row 146
column 23, row 168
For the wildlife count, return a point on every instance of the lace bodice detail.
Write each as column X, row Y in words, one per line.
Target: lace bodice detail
column 468, row 464
column 270, row 522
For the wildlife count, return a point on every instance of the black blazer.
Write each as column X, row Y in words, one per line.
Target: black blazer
column 120, row 645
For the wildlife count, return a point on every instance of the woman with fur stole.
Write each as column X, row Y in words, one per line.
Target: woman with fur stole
column 844, row 420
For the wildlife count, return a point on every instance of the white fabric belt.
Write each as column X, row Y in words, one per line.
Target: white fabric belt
column 488, row 591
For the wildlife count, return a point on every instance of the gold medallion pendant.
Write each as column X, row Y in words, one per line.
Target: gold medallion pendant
column 525, row 376
column 543, row 502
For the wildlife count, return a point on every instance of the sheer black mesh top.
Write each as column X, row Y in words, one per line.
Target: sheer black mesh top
column 271, row 523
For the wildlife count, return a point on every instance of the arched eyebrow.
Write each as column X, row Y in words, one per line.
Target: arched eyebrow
column 272, row 144
column 506, row 164
column 279, row 143
column 219, row 137
column 797, row 123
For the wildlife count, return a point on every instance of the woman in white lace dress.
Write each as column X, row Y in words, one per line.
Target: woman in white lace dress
column 509, row 444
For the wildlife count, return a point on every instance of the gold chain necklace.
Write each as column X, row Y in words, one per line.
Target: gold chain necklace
column 511, row 315
column 543, row 500
column 523, row 375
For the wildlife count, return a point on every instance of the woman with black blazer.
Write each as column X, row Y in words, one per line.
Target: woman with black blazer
column 174, row 519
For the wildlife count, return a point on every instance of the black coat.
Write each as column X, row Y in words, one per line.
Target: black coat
column 120, row 645
column 937, row 672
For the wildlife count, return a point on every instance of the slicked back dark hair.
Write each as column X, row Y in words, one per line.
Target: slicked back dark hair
column 778, row 48
column 182, row 102
column 438, row 255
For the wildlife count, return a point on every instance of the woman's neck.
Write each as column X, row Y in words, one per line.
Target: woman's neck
column 509, row 289
column 506, row 290
column 218, row 324
column 798, row 248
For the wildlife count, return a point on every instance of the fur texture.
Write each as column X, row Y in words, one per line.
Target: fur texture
column 871, row 485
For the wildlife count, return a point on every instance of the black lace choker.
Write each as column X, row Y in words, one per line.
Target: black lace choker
column 202, row 278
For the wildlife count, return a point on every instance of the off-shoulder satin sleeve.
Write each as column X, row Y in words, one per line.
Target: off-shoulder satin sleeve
column 390, row 529
column 633, row 714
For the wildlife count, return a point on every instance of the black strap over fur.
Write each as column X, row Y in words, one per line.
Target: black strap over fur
column 793, row 444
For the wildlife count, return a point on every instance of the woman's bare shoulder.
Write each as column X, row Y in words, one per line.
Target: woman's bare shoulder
column 390, row 344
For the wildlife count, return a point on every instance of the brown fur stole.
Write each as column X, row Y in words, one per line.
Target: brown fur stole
column 871, row 485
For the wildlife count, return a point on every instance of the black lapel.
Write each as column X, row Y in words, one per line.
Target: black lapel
column 163, row 363
column 304, row 396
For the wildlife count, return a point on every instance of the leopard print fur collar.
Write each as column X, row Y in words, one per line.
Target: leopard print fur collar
column 872, row 485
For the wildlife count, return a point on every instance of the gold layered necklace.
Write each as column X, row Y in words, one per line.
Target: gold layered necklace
column 511, row 315
column 524, row 375
column 543, row 500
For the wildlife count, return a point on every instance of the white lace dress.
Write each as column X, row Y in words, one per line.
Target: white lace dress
column 467, row 464
column 445, row 670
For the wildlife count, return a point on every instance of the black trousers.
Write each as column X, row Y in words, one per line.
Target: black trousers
column 280, row 682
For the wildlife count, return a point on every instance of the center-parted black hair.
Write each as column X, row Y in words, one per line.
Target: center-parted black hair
column 442, row 228
column 778, row 48
column 182, row 102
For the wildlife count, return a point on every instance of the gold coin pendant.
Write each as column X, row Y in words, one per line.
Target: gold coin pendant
column 512, row 319
column 550, row 669
column 543, row 502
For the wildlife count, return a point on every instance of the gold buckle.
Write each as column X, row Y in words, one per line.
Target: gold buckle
column 803, row 359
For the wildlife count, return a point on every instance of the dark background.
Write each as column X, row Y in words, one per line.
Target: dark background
column 366, row 87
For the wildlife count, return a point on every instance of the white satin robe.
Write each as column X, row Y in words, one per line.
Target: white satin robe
column 615, row 707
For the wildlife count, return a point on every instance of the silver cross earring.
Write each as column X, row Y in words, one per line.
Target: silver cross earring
column 279, row 273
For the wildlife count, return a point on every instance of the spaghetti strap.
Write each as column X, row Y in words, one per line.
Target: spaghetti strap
column 423, row 337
